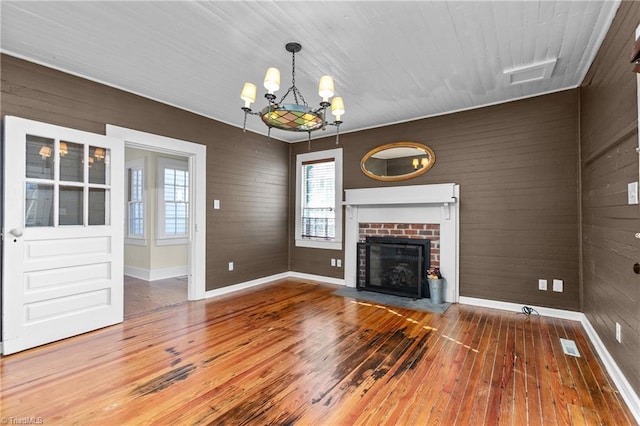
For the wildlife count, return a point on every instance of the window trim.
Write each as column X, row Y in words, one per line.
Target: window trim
column 162, row 239
column 336, row 243
column 136, row 240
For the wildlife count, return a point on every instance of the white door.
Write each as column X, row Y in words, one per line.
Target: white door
column 62, row 271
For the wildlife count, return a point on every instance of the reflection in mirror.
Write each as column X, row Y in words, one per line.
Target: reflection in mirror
column 398, row 161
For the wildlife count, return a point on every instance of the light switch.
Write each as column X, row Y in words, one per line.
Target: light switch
column 216, row 204
column 632, row 193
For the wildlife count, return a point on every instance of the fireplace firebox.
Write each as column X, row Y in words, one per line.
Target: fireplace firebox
column 395, row 266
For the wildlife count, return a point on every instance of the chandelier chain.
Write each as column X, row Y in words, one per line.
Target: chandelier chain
column 293, row 89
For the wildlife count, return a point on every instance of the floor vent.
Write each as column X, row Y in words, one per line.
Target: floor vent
column 569, row 347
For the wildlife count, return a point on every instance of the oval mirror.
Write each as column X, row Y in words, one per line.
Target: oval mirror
column 398, row 161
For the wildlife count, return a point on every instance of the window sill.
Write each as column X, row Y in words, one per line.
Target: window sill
column 320, row 244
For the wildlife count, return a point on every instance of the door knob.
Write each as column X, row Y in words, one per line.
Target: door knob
column 16, row 232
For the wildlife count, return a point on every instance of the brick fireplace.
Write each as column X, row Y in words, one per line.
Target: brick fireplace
column 419, row 211
column 418, row 231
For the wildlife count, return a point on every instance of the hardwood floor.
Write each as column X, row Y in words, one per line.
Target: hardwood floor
column 293, row 353
column 144, row 296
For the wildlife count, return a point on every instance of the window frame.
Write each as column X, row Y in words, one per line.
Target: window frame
column 134, row 239
column 162, row 239
column 335, row 243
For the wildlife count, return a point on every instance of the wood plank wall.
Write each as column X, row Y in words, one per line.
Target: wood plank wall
column 245, row 171
column 609, row 136
column 517, row 166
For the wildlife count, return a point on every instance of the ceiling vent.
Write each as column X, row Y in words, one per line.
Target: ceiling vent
column 527, row 73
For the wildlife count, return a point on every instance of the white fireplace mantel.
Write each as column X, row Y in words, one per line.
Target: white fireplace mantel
column 417, row 194
column 439, row 203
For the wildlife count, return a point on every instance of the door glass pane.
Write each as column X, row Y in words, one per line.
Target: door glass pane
column 98, row 203
column 71, row 162
column 38, row 205
column 70, row 211
column 39, row 157
column 98, row 167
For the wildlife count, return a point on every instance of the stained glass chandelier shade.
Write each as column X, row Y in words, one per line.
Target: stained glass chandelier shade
column 298, row 116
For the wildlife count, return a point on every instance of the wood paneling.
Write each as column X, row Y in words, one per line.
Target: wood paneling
column 247, row 172
column 291, row 352
column 516, row 164
column 609, row 137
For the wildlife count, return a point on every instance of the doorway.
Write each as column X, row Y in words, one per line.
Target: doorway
column 164, row 289
column 156, row 236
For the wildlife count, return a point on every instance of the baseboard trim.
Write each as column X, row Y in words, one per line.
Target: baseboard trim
column 269, row 279
column 517, row 307
column 628, row 394
column 245, row 285
column 135, row 272
column 621, row 382
column 155, row 274
column 329, row 280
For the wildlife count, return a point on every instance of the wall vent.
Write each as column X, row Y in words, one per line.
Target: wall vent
column 533, row 72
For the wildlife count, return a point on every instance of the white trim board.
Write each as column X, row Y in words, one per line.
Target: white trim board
column 320, row 278
column 626, row 390
column 517, row 307
column 156, row 274
column 247, row 284
column 197, row 157
column 269, row 280
column 630, row 397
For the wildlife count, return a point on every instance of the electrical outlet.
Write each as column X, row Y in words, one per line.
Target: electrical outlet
column 339, row 263
column 333, row 262
column 558, row 285
column 231, row 266
column 618, row 332
column 542, row 284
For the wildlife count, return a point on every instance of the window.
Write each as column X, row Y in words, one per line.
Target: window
column 319, row 199
column 173, row 201
column 135, row 214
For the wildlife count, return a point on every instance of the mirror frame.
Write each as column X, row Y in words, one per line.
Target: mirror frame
column 406, row 176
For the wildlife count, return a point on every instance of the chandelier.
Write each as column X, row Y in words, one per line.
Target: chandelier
column 298, row 116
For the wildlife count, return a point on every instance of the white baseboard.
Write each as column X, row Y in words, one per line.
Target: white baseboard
column 329, row 280
column 621, row 382
column 627, row 392
column 155, row 274
column 517, row 307
column 265, row 280
column 245, row 285
column 132, row 271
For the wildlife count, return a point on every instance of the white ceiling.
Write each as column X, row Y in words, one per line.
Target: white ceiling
column 392, row 61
